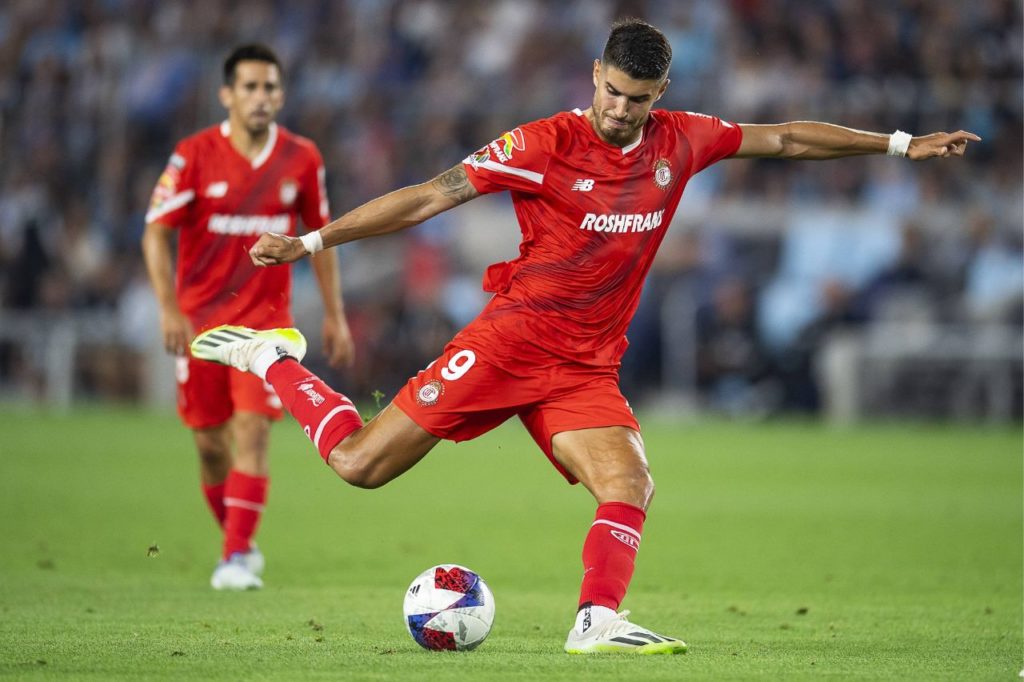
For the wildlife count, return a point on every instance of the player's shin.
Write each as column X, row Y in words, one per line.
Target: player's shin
column 214, row 494
column 326, row 416
column 245, row 498
column 609, row 552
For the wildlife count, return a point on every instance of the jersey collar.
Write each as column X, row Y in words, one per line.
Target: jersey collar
column 261, row 158
column 629, row 147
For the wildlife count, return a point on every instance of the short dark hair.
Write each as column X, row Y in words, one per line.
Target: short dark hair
column 253, row 52
column 638, row 49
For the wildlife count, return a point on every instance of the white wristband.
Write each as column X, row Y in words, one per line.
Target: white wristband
column 313, row 241
column 899, row 142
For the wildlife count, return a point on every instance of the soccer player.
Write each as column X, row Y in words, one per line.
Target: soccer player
column 223, row 188
column 594, row 192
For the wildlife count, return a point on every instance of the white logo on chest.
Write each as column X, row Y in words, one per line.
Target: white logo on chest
column 583, row 185
column 216, row 190
column 621, row 222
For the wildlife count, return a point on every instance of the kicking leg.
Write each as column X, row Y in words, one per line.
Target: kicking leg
column 368, row 455
column 611, row 464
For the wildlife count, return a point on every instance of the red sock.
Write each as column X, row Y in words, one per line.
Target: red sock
column 244, row 497
column 215, row 499
column 609, row 552
column 327, row 417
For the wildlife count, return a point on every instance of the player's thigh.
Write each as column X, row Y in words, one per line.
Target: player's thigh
column 458, row 397
column 461, row 395
column 588, row 431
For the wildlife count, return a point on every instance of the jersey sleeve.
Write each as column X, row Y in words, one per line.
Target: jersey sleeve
column 175, row 189
column 711, row 138
column 515, row 161
column 313, row 206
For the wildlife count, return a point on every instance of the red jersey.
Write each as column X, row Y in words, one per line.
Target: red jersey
column 592, row 216
column 221, row 202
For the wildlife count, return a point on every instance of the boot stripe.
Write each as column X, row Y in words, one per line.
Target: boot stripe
column 649, row 635
column 236, row 334
column 627, row 640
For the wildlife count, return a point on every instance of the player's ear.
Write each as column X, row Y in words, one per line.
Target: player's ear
column 597, row 71
column 662, row 89
column 225, row 96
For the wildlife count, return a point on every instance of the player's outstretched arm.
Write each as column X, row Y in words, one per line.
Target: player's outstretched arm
column 811, row 140
column 392, row 212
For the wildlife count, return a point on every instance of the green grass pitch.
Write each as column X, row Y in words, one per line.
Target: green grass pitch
column 778, row 552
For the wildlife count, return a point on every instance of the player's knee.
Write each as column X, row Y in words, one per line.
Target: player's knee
column 641, row 482
column 357, row 466
column 213, row 455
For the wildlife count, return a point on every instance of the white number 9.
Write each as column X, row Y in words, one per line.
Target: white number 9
column 458, row 365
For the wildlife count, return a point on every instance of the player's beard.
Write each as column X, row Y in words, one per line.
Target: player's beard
column 617, row 136
column 257, row 125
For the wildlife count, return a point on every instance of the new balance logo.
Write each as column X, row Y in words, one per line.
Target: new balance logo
column 583, row 185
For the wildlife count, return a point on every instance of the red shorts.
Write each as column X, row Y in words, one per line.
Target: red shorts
column 461, row 396
column 208, row 393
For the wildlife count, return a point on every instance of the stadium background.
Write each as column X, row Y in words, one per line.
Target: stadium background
column 874, row 288
column 860, row 287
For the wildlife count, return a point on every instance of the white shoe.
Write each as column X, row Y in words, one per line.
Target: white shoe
column 254, row 560
column 238, row 346
column 618, row 636
column 234, row 574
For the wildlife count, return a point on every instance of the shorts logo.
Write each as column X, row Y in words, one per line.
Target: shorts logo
column 662, row 173
column 289, row 192
column 429, row 393
column 626, row 539
column 312, row 394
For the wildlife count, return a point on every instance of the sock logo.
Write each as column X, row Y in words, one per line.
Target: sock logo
column 586, row 619
column 626, row 539
column 312, row 394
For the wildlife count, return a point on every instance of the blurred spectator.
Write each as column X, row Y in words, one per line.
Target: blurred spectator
column 93, row 94
column 731, row 362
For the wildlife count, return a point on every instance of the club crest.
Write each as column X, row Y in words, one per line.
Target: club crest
column 662, row 173
column 429, row 393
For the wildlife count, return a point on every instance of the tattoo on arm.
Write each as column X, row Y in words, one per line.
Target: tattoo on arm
column 454, row 184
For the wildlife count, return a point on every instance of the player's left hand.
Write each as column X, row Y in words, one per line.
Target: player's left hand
column 941, row 145
column 339, row 349
column 275, row 249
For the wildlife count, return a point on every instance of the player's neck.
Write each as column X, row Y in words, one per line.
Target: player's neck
column 247, row 143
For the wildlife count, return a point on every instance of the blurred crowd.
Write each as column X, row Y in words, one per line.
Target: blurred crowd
column 94, row 94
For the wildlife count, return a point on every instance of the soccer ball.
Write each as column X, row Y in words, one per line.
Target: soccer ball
column 449, row 607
